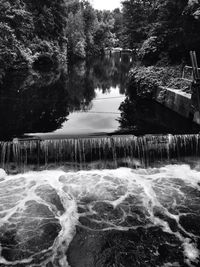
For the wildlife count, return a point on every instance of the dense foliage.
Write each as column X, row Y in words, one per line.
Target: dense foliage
column 61, row 29
column 161, row 28
column 30, row 29
column 144, row 80
column 89, row 31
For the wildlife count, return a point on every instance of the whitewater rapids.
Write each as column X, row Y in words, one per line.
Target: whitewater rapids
column 39, row 211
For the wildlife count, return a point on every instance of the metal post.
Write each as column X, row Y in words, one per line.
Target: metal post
column 194, row 66
column 195, row 84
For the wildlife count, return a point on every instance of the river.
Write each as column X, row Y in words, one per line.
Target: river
column 93, row 176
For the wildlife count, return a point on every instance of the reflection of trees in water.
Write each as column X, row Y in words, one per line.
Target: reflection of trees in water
column 143, row 116
column 139, row 117
column 102, row 73
column 80, row 87
column 111, row 72
column 33, row 102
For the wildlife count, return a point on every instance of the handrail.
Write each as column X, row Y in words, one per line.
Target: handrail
column 189, row 67
column 192, row 74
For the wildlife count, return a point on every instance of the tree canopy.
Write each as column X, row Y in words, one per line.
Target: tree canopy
column 30, row 28
column 161, row 27
column 60, row 29
column 89, row 31
column 69, row 29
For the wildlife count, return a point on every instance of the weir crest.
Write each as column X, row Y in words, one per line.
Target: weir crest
column 110, row 150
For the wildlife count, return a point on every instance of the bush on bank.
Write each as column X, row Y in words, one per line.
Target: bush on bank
column 144, row 80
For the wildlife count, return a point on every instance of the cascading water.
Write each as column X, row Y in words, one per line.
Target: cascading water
column 110, row 151
column 106, row 216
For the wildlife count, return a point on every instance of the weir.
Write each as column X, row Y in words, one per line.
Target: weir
column 109, row 151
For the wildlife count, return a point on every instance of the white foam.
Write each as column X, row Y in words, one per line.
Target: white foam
column 2, row 174
column 149, row 188
column 31, row 181
column 191, row 252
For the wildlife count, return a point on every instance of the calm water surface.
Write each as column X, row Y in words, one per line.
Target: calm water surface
column 84, row 99
column 100, row 118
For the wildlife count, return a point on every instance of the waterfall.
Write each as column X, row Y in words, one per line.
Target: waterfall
column 53, row 217
column 112, row 151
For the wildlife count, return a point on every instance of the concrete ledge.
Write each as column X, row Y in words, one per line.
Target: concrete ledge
column 178, row 101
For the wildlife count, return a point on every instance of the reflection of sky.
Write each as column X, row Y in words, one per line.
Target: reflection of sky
column 101, row 118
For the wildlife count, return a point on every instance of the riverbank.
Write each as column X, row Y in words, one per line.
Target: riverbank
column 166, row 86
column 144, row 80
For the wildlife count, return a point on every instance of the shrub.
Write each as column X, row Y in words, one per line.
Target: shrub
column 144, row 80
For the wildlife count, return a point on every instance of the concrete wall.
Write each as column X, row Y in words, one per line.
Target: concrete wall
column 178, row 101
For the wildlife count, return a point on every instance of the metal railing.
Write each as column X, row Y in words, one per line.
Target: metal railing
column 194, row 69
column 188, row 72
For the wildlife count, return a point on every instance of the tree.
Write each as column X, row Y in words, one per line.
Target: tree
column 161, row 27
column 89, row 19
column 88, row 31
column 134, row 22
column 31, row 28
column 118, row 26
column 191, row 25
column 76, row 35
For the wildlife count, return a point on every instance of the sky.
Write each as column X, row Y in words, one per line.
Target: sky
column 105, row 4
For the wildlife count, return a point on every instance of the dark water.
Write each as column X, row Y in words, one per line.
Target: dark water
column 88, row 98
column 81, row 100
column 99, row 201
